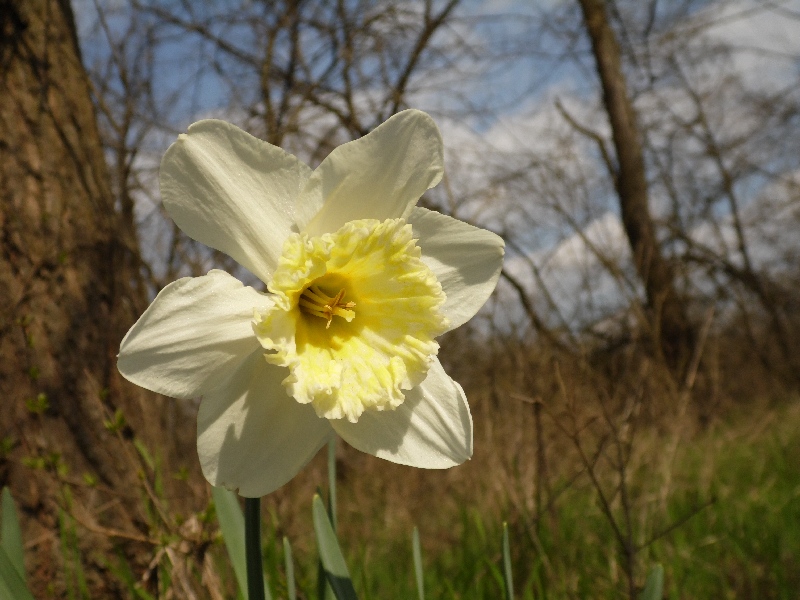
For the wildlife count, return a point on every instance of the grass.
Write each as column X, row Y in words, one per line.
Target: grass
column 734, row 503
column 747, row 545
column 719, row 508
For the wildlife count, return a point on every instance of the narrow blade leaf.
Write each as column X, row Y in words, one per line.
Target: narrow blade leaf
column 231, row 522
column 654, row 587
column 11, row 534
column 507, row 578
column 330, row 554
column 290, row 584
column 11, row 584
column 417, row 551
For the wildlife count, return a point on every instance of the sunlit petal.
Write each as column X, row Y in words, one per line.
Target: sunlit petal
column 432, row 429
column 197, row 330
column 379, row 176
column 466, row 260
column 251, row 436
column 233, row 192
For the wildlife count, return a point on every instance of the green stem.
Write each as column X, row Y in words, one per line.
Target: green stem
column 252, row 545
column 332, row 482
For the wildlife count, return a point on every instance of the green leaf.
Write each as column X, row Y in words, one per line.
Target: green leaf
column 11, row 534
column 290, row 584
column 231, row 523
column 417, row 552
column 11, row 584
column 507, row 578
column 331, row 554
column 324, row 590
column 654, row 587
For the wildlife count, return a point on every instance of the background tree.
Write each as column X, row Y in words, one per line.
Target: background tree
column 715, row 175
column 69, row 289
column 668, row 320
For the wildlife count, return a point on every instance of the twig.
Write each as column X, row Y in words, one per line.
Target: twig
column 109, row 532
column 677, row 523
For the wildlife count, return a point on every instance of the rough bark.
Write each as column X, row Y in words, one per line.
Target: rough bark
column 669, row 324
column 67, row 295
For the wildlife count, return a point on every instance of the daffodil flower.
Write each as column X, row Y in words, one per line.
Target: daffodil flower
column 360, row 283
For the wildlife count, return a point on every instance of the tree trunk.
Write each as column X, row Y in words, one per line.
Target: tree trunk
column 669, row 324
column 67, row 296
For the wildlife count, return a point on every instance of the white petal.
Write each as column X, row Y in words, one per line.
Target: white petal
column 233, row 192
column 467, row 261
column 380, row 176
column 251, row 436
column 432, row 429
column 197, row 330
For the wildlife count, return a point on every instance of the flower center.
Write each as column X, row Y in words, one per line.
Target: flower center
column 313, row 301
column 352, row 364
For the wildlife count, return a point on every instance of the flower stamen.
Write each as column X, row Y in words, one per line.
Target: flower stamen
column 314, row 301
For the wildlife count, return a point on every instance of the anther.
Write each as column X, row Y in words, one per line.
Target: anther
column 314, row 301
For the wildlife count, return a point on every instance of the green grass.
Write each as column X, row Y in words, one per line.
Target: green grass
column 730, row 507
column 747, row 544
column 735, row 495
